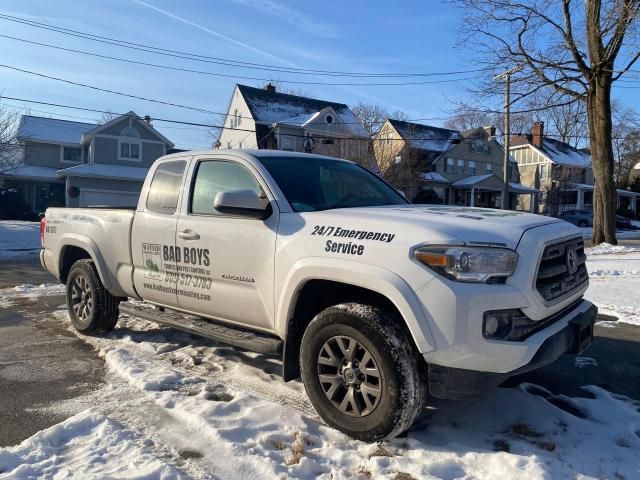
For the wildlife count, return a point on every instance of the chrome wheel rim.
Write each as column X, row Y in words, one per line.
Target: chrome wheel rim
column 349, row 376
column 81, row 298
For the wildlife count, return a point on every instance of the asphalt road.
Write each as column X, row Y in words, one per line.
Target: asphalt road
column 42, row 362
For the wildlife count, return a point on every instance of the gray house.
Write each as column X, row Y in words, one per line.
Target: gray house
column 81, row 164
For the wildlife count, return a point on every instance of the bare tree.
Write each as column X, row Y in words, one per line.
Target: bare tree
column 372, row 117
column 578, row 49
column 9, row 147
column 626, row 143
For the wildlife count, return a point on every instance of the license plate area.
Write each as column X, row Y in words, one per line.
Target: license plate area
column 582, row 329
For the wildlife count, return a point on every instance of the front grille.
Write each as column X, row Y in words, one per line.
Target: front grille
column 561, row 271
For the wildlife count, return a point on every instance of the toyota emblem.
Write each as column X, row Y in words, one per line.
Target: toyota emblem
column 572, row 264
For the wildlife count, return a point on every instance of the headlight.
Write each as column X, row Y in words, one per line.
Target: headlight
column 469, row 264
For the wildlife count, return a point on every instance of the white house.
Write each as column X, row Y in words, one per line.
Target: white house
column 265, row 118
column 563, row 173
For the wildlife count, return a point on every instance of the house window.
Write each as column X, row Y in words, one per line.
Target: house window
column 472, row 167
column 544, row 171
column 489, row 169
column 129, row 150
column 449, row 165
column 229, row 145
column 72, row 154
column 460, row 166
column 241, row 144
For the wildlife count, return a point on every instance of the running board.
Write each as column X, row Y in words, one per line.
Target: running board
column 231, row 335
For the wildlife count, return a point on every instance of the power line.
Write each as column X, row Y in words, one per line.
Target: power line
column 225, row 75
column 219, row 60
column 115, row 92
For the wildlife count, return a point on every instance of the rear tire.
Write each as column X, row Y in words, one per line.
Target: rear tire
column 362, row 372
column 92, row 309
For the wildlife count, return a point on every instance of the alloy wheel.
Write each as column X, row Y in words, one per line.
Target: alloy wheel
column 349, row 376
column 82, row 301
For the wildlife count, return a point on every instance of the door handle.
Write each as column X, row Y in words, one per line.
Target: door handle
column 188, row 235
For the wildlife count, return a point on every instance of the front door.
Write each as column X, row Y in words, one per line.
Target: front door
column 227, row 261
column 153, row 236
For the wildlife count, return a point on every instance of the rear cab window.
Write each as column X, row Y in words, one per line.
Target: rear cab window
column 164, row 190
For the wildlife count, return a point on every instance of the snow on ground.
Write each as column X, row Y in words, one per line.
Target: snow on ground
column 87, row 445
column 177, row 405
column 587, row 232
column 28, row 293
column 19, row 239
column 615, row 281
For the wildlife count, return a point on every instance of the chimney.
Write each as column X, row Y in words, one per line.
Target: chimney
column 537, row 134
column 490, row 131
column 147, row 119
column 269, row 87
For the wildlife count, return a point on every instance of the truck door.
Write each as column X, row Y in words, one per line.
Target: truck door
column 227, row 262
column 153, row 236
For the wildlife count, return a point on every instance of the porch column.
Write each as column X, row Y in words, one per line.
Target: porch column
column 532, row 204
column 473, row 195
column 580, row 204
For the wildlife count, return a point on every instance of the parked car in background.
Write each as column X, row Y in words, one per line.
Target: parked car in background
column 584, row 218
column 581, row 218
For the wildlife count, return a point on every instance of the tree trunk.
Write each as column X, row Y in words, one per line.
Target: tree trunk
column 602, row 161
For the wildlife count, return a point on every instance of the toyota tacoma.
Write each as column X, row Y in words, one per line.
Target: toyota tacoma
column 376, row 303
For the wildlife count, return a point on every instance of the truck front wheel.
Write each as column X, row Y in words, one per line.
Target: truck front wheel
column 91, row 307
column 362, row 372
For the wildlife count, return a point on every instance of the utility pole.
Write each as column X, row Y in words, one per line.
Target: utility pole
column 507, row 133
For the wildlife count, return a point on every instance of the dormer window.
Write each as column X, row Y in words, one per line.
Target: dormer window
column 129, row 148
column 478, row 146
column 71, row 154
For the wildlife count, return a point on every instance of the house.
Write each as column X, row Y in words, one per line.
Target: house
column 265, row 118
column 434, row 164
column 74, row 164
column 563, row 173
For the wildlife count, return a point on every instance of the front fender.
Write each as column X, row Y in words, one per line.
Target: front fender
column 371, row 277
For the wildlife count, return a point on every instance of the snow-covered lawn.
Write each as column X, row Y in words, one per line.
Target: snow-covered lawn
column 19, row 239
column 177, row 406
column 615, row 281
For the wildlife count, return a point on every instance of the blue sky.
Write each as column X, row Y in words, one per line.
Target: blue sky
column 330, row 35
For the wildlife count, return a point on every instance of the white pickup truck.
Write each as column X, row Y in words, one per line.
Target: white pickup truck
column 374, row 302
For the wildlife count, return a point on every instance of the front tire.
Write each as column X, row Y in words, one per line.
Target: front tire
column 91, row 307
column 362, row 372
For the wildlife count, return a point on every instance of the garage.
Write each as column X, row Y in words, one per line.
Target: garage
column 107, row 198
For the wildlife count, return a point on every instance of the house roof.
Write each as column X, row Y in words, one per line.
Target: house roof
column 560, row 152
column 107, row 171
column 51, row 129
column 273, row 107
column 86, row 137
column 433, row 141
column 32, row 172
column 472, row 180
column 433, row 177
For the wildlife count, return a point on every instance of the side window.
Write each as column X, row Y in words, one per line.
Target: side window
column 165, row 187
column 215, row 176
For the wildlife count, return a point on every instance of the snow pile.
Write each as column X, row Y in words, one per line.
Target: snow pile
column 88, row 445
column 19, row 239
column 608, row 249
column 25, row 292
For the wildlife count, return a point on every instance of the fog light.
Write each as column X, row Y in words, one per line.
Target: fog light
column 498, row 324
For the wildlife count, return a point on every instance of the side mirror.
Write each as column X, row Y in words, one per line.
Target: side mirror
column 243, row 203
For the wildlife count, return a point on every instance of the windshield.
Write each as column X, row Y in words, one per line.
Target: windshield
column 312, row 184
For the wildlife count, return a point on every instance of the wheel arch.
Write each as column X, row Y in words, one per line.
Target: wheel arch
column 76, row 247
column 312, row 288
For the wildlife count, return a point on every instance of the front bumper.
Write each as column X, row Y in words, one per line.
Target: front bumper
column 574, row 337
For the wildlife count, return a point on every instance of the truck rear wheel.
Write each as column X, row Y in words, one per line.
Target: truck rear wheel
column 91, row 307
column 362, row 372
